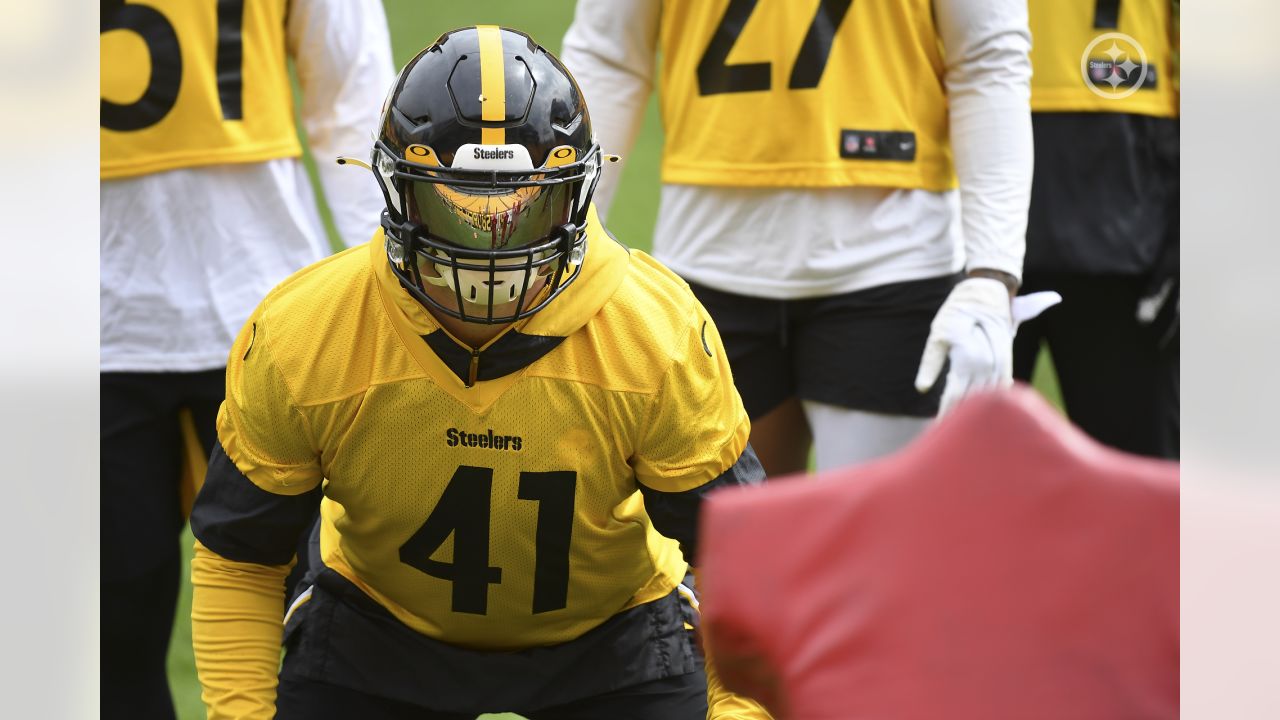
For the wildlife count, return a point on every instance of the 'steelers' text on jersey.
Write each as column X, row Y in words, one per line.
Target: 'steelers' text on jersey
column 506, row 514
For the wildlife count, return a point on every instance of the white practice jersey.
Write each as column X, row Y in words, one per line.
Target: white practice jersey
column 187, row 254
column 804, row 242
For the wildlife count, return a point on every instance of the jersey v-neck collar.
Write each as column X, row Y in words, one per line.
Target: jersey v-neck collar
column 509, row 352
column 477, row 377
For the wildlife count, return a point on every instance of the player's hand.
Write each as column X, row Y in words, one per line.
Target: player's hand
column 975, row 328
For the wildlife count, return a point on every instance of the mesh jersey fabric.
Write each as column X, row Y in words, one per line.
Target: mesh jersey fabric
column 870, row 110
column 331, row 382
column 822, row 240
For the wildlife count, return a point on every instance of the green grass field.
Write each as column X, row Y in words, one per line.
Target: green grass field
column 414, row 25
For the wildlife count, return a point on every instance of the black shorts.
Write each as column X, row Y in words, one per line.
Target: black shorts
column 143, row 453
column 346, row 656
column 859, row 350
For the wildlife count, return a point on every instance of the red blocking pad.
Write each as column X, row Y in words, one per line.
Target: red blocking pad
column 1003, row 566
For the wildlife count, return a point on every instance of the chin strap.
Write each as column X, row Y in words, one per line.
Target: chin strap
column 566, row 237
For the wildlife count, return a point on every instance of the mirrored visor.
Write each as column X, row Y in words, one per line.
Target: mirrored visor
column 490, row 218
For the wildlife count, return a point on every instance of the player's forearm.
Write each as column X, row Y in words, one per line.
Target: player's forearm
column 994, row 162
column 342, row 51
column 722, row 703
column 610, row 50
column 236, row 613
column 989, row 88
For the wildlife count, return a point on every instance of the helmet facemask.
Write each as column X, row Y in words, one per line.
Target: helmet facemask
column 487, row 161
column 503, row 236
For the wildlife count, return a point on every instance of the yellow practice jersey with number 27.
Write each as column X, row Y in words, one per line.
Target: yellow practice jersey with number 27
column 505, row 514
column 803, row 93
column 193, row 82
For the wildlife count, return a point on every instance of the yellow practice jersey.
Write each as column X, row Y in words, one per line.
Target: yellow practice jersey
column 193, row 82
column 1104, row 56
column 803, row 93
column 503, row 515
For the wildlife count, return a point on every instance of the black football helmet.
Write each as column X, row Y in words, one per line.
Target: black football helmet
column 488, row 163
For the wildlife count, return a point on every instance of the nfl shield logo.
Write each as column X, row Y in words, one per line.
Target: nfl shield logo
column 852, row 141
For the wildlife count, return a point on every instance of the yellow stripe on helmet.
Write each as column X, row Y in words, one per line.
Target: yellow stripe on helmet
column 493, row 84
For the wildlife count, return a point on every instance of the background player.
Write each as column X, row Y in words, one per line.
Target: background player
column 205, row 205
column 1103, row 226
column 497, row 408
column 812, row 157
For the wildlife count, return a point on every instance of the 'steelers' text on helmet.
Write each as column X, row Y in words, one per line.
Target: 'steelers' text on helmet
column 488, row 164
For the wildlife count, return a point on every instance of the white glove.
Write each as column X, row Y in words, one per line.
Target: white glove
column 975, row 328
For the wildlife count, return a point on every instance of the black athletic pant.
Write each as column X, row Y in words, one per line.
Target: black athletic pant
column 1118, row 385
column 141, row 515
column 348, row 657
column 666, row 698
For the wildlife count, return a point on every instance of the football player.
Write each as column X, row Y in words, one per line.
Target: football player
column 508, row 421
column 1104, row 216
column 838, row 178
column 205, row 205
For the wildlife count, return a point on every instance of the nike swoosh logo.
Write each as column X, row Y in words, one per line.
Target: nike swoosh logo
column 704, row 339
column 1149, row 307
